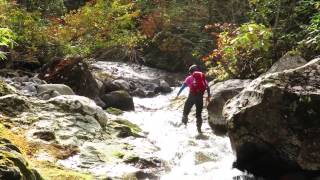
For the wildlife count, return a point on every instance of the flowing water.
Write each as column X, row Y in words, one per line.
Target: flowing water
column 187, row 154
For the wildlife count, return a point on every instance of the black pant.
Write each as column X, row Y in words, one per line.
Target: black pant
column 198, row 101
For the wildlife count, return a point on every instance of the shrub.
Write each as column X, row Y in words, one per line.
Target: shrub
column 241, row 52
column 6, row 40
column 311, row 44
column 100, row 25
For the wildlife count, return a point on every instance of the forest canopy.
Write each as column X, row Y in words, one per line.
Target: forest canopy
column 232, row 38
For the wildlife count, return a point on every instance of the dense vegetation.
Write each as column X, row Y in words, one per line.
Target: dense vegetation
column 233, row 38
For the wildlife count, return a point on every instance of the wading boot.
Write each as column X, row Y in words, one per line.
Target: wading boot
column 199, row 124
column 184, row 120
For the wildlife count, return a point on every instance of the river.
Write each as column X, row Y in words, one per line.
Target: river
column 187, row 154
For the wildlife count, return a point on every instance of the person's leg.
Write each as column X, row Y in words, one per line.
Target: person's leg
column 187, row 108
column 199, row 107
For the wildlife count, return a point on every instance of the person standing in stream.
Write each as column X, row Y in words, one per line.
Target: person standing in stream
column 197, row 84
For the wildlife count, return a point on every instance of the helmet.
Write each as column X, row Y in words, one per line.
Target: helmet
column 193, row 68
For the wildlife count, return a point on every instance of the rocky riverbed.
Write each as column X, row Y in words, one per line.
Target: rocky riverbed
column 70, row 136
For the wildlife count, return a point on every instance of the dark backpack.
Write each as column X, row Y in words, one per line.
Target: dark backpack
column 199, row 83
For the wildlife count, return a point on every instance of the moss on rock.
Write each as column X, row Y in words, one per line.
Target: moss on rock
column 52, row 172
column 114, row 111
column 12, row 164
column 125, row 128
column 5, row 89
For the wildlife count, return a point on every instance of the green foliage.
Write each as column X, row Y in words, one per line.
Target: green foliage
column 291, row 23
column 30, row 30
column 96, row 25
column 47, row 7
column 312, row 39
column 184, row 18
column 6, row 40
column 241, row 52
column 100, row 25
column 44, row 29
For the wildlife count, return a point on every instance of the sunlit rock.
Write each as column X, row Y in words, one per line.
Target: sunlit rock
column 221, row 92
column 13, row 104
column 287, row 62
column 13, row 166
column 73, row 72
column 60, row 89
column 274, row 124
column 6, row 89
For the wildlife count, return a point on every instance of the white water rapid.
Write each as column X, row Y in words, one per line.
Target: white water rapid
column 187, row 155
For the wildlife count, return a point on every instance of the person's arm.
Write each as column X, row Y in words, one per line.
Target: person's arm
column 208, row 91
column 207, row 86
column 184, row 85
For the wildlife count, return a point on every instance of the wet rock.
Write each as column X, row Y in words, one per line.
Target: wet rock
column 114, row 111
column 125, row 128
column 24, row 83
column 60, row 88
column 82, row 105
column 124, row 85
column 144, row 163
column 48, row 94
column 123, row 76
column 221, row 92
column 145, row 175
column 163, row 87
column 12, row 73
column 99, row 102
column 45, row 135
column 13, row 104
column 114, row 85
column 274, row 125
column 118, row 99
column 73, row 72
column 108, row 86
column 5, row 88
column 149, row 164
column 67, row 119
column 12, row 165
column 201, row 157
column 139, row 92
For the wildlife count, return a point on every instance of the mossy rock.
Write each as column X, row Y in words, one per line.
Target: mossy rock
column 51, row 172
column 125, row 128
column 13, row 105
column 119, row 99
column 13, row 166
column 114, row 111
column 5, row 89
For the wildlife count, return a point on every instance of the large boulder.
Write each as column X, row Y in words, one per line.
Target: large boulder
column 12, row 164
column 13, row 105
column 73, row 72
column 60, row 88
column 67, row 119
column 47, row 91
column 274, row 124
column 110, row 85
column 118, row 99
column 287, row 62
column 221, row 92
